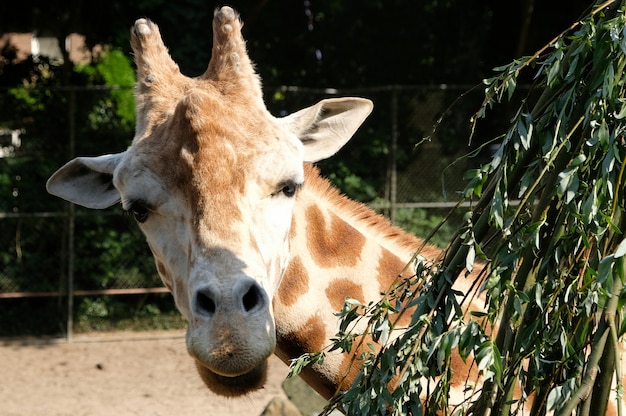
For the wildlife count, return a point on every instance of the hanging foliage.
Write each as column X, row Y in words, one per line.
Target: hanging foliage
column 546, row 229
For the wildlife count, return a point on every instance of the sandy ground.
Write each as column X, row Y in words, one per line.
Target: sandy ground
column 116, row 374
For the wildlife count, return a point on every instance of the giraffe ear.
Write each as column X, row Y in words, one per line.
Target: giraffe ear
column 325, row 127
column 87, row 181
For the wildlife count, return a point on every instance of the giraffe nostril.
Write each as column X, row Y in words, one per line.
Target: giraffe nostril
column 252, row 298
column 205, row 305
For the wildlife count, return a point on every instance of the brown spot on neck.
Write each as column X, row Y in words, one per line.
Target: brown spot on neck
column 389, row 268
column 295, row 282
column 340, row 289
column 309, row 338
column 332, row 244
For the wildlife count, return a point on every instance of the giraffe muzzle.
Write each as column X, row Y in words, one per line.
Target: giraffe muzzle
column 231, row 334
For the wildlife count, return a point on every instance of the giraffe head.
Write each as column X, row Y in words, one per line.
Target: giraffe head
column 211, row 178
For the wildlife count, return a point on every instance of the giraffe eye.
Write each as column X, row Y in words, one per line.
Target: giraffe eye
column 139, row 210
column 289, row 190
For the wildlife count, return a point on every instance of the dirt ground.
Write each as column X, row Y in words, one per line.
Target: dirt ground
column 116, row 374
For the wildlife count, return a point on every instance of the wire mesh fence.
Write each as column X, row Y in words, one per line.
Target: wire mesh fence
column 55, row 258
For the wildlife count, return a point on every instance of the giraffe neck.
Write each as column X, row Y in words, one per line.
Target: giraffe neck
column 339, row 249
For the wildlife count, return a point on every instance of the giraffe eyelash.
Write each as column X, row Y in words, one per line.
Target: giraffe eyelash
column 288, row 189
column 138, row 209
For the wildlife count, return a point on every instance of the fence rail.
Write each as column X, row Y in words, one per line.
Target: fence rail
column 113, row 292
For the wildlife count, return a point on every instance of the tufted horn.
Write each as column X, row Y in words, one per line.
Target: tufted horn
column 154, row 64
column 158, row 78
column 229, row 59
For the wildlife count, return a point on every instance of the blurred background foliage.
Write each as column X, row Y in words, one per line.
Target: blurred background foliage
column 65, row 109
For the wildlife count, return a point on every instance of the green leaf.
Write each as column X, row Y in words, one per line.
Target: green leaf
column 469, row 258
column 609, row 161
column 538, row 296
column 475, row 186
column 484, row 356
column 578, row 160
column 555, row 68
column 621, row 249
column 589, row 208
column 510, row 85
column 497, row 209
column 605, row 268
column 525, row 130
column 568, row 183
column 622, row 112
column 603, row 133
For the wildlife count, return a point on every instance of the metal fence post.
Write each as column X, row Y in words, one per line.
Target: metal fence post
column 393, row 177
column 71, row 223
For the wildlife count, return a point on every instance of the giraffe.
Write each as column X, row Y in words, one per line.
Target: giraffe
column 258, row 250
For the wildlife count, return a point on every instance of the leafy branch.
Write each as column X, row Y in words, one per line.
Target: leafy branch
column 548, row 223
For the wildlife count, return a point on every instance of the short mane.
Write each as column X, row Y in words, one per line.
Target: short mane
column 373, row 225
